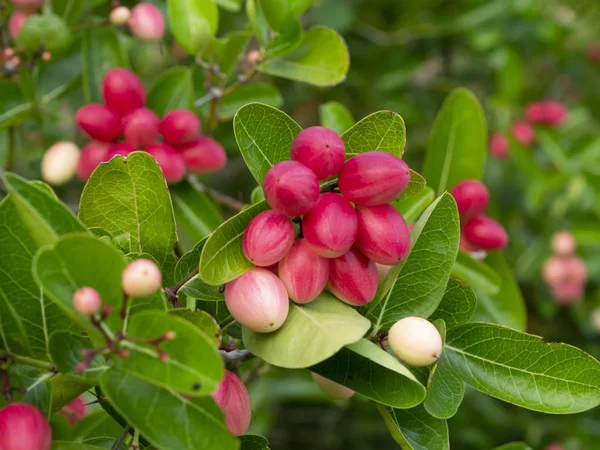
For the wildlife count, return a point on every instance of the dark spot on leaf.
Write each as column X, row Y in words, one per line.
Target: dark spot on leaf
column 196, row 386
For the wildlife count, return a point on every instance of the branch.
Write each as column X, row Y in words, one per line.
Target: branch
column 234, row 359
column 44, row 365
column 122, row 437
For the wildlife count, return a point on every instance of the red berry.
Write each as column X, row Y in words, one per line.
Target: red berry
column 331, row 227
column 169, row 161
column 233, row 399
column 535, row 112
column 320, row 149
column 373, row 178
column 523, row 133
column 268, row 238
column 485, row 233
column 499, row 146
column 180, row 127
column 472, row 198
column 303, row 273
column 554, row 271
column 383, row 235
column 74, row 411
column 258, row 300
column 568, row 292
column 86, row 300
column 23, row 427
column 92, row 154
column 123, row 91
column 146, row 22
column 140, row 127
column 121, row 149
column 555, row 113
column 291, row 188
column 353, row 278
column 99, row 122
column 203, row 155
column 16, row 21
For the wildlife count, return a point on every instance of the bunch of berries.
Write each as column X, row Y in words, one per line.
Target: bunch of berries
column 479, row 232
column 123, row 124
column 145, row 21
column 342, row 234
column 565, row 273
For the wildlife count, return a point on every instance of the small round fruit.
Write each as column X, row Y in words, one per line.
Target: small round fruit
column 258, row 300
column 383, row 235
column 16, row 21
column 233, row 399
column 554, row 271
column 74, row 411
column 415, row 341
column 291, row 188
column 91, row 156
column 48, row 31
column 555, row 113
column 59, row 163
column 140, row 127
column 472, row 198
column 203, row 155
column 268, row 237
column 535, row 112
column 523, row 133
column 499, row 146
column 169, row 160
column 120, row 149
column 575, row 269
column 86, row 300
column 303, row 273
column 485, row 233
column 331, row 227
column 23, row 427
column 147, row 22
column 123, row 91
column 320, row 149
column 180, row 127
column 332, row 389
column 99, row 122
column 119, row 15
column 563, row 243
column 141, row 278
column 568, row 291
column 373, row 178
column 353, row 278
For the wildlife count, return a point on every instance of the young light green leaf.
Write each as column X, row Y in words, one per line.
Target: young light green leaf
column 257, row 195
column 254, row 442
column 415, row 186
column 382, row 131
column 173, row 89
column 477, row 274
column 250, row 93
column 201, row 320
column 258, row 21
column 230, row 5
column 458, row 143
column 445, row 391
column 335, row 116
column 415, row 428
column 311, row 333
column 288, row 39
column 279, row 12
column 193, row 22
column 233, row 47
column 457, row 305
column 411, row 208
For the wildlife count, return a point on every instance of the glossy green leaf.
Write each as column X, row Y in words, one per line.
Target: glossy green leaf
column 201, row 320
column 367, row 369
column 477, row 274
column 254, row 442
column 289, row 38
column 457, row 305
column 249, row 93
column 173, row 89
column 382, row 131
column 193, row 22
column 415, row 186
column 97, row 423
column 65, row 351
column 279, row 12
column 230, row 5
column 458, row 143
column 335, row 116
column 415, row 428
column 257, row 195
column 258, row 21
column 411, row 208
column 229, row 55
column 65, row 389
column 311, row 333
column 322, row 59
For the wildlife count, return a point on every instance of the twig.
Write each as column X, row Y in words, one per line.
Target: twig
column 171, row 292
column 224, row 199
column 28, row 361
column 122, row 437
column 233, row 359
column 242, row 79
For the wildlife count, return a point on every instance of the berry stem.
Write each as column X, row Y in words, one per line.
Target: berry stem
column 122, row 437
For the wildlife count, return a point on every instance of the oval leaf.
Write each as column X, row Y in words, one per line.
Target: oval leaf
column 457, row 305
column 411, row 208
column 173, row 89
column 262, row 93
column 193, row 22
column 382, row 131
column 335, row 116
column 415, row 428
column 476, row 274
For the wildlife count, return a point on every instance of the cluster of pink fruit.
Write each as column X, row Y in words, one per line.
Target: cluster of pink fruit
column 565, row 273
column 479, row 232
column 547, row 113
column 343, row 235
column 125, row 114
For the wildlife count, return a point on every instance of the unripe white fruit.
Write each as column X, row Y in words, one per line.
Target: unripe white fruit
column 59, row 163
column 120, row 15
column 331, row 388
column 563, row 243
column 415, row 341
column 141, row 278
column 86, row 300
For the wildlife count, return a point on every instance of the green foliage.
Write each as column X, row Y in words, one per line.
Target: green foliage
column 415, row 429
column 193, row 22
column 335, row 116
column 46, row 31
column 173, row 89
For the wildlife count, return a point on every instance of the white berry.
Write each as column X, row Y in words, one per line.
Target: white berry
column 141, row 278
column 415, row 341
column 59, row 163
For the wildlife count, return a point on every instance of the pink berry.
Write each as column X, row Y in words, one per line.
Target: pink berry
column 123, row 91
column 60, row 162
column 119, row 148
column 86, row 300
column 303, row 273
column 258, row 300
column 253, row 56
column 523, row 133
column 373, row 178
column 331, row 227
column 353, row 278
column 99, row 122
column 536, row 112
column 485, row 233
column 472, row 198
column 320, row 149
column 23, row 427
column 74, row 411
column 575, row 269
column 555, row 113
column 383, row 235
column 567, row 292
column 140, row 127
column 147, row 22
column 119, row 15
column 46, row 56
column 180, row 127
column 268, row 238
column 141, row 278
column 563, row 243
column 291, row 188
column 169, row 161
column 233, row 399
column 16, row 21
column 499, row 146
column 92, row 154
column 203, row 155
column 554, row 271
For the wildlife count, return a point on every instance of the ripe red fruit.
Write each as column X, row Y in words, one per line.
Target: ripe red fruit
column 499, row 146
column 123, row 91
column 536, row 112
column 233, row 399
column 92, row 154
column 268, row 237
column 472, row 198
column 140, row 127
column 353, row 278
column 575, row 269
column 303, row 273
column 203, row 155
column 373, row 178
column 23, row 427
column 485, row 233
column 169, row 161
column 99, row 122
column 258, row 300
column 86, row 300
column 120, row 148
column 16, row 21
column 331, row 227
column 180, row 127
column 291, row 188
column 523, row 133
column 555, row 113
column 147, row 22
column 383, row 235
column 320, row 149
column 74, row 411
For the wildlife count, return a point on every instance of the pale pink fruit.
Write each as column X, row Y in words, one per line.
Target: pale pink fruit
column 59, row 163
column 233, row 399
column 119, row 15
column 563, row 243
column 147, row 22
column 415, row 341
column 141, row 278
column 86, row 300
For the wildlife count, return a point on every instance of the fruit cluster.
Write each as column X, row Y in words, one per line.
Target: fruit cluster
column 478, row 231
column 565, row 272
